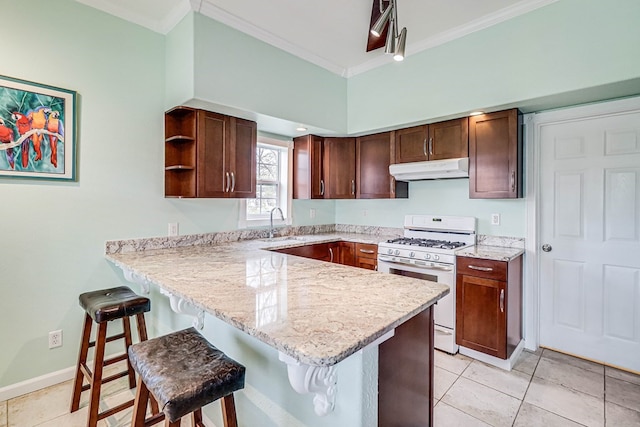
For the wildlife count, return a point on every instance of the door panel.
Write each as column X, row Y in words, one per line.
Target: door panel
column 590, row 216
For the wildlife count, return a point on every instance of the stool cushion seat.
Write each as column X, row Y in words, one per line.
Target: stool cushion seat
column 185, row 372
column 115, row 303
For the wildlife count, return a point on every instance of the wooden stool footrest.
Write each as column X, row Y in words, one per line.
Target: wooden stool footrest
column 116, row 409
column 109, row 339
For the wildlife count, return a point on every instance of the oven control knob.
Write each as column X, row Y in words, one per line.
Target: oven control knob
column 436, row 257
column 427, row 256
column 390, row 251
column 412, row 254
column 397, row 252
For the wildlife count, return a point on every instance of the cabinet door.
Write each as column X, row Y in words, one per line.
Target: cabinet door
column 212, row 155
column 347, row 254
column 340, row 168
column 481, row 315
column 449, row 140
column 411, row 144
column 373, row 157
column 308, row 180
column 495, row 156
column 242, row 155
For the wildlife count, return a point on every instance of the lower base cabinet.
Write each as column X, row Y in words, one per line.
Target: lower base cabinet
column 363, row 255
column 489, row 305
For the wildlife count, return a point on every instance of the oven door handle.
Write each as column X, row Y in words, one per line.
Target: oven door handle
column 421, row 267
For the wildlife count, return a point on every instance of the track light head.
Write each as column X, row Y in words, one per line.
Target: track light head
column 378, row 27
column 400, row 46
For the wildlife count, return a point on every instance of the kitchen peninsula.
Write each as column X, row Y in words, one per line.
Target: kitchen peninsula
column 318, row 316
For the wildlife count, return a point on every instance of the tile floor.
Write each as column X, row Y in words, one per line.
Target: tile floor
column 545, row 389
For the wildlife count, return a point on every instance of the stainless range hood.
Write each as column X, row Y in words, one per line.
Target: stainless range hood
column 432, row 169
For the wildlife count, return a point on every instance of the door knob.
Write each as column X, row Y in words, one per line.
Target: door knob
column 546, row 248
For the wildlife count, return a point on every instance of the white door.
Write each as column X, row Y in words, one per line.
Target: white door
column 590, row 218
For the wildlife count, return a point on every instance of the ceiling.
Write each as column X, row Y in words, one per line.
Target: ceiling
column 328, row 33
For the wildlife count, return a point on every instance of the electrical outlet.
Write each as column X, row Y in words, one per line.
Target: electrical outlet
column 173, row 229
column 495, row 219
column 55, row 338
column 312, row 213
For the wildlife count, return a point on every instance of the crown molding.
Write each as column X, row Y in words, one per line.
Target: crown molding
column 214, row 12
column 486, row 21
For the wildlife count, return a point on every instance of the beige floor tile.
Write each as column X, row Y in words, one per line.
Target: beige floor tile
column 513, row 383
column 623, row 393
column 456, row 364
column 448, row 416
column 527, row 362
column 571, row 376
column 574, row 405
column 40, row 406
column 622, row 375
column 619, row 416
column 77, row 419
column 443, row 380
column 3, row 413
column 574, row 361
column 532, row 416
column 482, row 402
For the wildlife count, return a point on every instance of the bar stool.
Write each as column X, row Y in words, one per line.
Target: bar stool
column 103, row 306
column 184, row 372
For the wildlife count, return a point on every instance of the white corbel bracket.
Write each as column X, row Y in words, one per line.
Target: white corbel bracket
column 321, row 380
column 132, row 277
column 181, row 306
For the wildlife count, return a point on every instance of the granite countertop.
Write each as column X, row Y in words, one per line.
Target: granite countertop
column 496, row 253
column 316, row 312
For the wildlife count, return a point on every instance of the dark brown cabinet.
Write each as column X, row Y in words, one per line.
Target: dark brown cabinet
column 495, row 155
column 374, row 154
column 308, row 167
column 340, row 168
column 489, row 305
column 442, row 140
column 366, row 256
column 209, row 155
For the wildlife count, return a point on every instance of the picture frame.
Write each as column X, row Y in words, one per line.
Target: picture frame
column 37, row 131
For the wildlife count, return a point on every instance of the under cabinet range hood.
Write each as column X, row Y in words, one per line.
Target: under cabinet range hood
column 432, row 169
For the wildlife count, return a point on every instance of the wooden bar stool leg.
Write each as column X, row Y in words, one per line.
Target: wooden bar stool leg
column 140, row 408
column 196, row 418
column 82, row 360
column 126, row 327
column 96, row 377
column 142, row 327
column 229, row 411
column 167, row 423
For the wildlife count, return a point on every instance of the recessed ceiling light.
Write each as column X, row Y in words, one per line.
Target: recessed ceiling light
column 476, row 113
column 301, row 128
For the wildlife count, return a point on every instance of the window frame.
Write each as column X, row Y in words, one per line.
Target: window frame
column 286, row 187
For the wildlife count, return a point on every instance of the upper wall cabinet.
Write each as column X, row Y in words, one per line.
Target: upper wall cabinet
column 308, row 164
column 209, row 155
column 495, row 155
column 374, row 154
column 442, row 140
column 340, row 168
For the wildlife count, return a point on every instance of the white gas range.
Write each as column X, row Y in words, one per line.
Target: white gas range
column 427, row 252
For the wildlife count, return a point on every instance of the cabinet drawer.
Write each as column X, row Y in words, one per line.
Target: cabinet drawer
column 366, row 250
column 490, row 269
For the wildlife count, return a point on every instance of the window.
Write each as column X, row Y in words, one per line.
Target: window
column 273, row 158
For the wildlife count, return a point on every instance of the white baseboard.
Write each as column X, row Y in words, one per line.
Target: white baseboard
column 33, row 384
column 506, row 364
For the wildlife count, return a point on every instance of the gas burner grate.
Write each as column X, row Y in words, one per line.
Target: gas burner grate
column 426, row 243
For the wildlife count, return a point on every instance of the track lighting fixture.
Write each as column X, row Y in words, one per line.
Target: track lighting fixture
column 396, row 42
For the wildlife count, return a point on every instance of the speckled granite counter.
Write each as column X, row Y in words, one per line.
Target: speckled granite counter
column 316, row 312
column 496, row 253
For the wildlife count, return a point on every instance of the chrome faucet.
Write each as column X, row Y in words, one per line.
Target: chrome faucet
column 271, row 220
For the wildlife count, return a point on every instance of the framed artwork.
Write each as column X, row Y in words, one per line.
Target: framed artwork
column 37, row 131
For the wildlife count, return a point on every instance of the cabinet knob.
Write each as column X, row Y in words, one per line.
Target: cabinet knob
column 546, row 247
